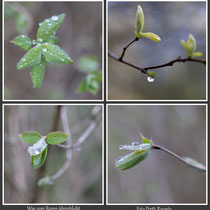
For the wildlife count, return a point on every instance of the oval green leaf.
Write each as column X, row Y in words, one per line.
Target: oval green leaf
column 38, row 160
column 132, row 159
column 139, row 21
column 37, row 73
column 152, row 36
column 56, row 137
column 23, row 42
column 48, row 27
column 32, row 57
column 30, row 136
column 54, row 54
column 197, row 54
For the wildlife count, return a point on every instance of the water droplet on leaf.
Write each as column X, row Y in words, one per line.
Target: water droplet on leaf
column 135, row 143
column 150, row 79
column 54, row 17
column 44, row 49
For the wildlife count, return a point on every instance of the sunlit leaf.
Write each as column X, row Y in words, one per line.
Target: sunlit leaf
column 48, row 27
column 56, row 137
column 152, row 36
column 32, row 57
column 37, row 73
column 54, row 54
column 23, row 42
column 30, row 136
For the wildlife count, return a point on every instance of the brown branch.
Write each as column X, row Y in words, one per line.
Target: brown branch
column 145, row 69
column 125, row 48
column 155, row 146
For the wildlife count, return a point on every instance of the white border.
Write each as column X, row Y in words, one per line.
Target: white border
column 157, row 100
column 156, row 204
column 55, row 204
column 102, row 54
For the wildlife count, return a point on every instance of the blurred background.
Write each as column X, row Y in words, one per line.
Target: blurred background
column 160, row 178
column 172, row 21
column 79, row 35
column 81, row 183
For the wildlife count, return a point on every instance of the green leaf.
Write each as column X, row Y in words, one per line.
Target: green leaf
column 32, row 57
column 54, row 54
column 56, row 137
column 23, row 42
column 184, row 45
column 194, row 163
column 145, row 140
column 152, row 36
column 45, row 181
column 30, row 136
column 52, row 40
column 37, row 73
column 48, row 27
column 151, row 74
column 90, row 83
column 21, row 23
column 132, row 159
column 197, row 54
column 88, row 63
column 139, row 21
column 38, row 160
column 191, row 43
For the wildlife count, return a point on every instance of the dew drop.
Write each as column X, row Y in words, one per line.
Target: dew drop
column 44, row 49
column 54, row 17
column 135, row 143
column 121, row 147
column 150, row 79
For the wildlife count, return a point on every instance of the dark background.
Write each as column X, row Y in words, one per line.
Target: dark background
column 80, row 34
column 172, row 21
column 82, row 183
column 160, row 178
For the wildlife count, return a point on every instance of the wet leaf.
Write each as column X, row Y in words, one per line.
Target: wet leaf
column 31, row 136
column 152, row 36
column 88, row 63
column 48, row 27
column 56, row 137
column 54, row 54
column 38, row 160
column 139, row 21
column 21, row 23
column 52, row 40
column 32, row 57
column 37, row 73
column 132, row 159
column 23, row 42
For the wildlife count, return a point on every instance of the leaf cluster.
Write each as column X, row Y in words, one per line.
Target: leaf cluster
column 40, row 144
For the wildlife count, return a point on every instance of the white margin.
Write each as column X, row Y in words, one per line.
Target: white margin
column 55, row 204
column 156, row 204
column 52, row 100
column 157, row 100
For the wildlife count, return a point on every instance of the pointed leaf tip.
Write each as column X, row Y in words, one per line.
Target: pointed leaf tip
column 139, row 21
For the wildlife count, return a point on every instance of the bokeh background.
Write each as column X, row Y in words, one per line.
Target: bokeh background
column 160, row 178
column 82, row 183
column 79, row 35
column 172, row 21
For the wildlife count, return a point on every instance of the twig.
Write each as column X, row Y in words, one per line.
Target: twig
column 125, row 48
column 145, row 69
column 155, row 146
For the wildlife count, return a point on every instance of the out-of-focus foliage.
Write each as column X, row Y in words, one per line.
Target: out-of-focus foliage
column 60, row 82
column 160, row 178
column 180, row 81
column 82, row 183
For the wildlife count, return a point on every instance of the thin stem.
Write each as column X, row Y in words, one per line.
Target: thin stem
column 145, row 69
column 125, row 48
column 155, row 146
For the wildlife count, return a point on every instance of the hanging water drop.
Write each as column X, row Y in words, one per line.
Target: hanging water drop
column 150, row 79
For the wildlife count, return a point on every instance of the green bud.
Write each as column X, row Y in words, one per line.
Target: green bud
column 139, row 21
column 150, row 74
column 191, row 45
